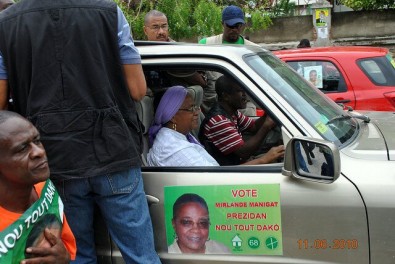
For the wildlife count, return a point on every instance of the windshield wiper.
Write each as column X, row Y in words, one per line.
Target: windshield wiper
column 338, row 118
column 364, row 118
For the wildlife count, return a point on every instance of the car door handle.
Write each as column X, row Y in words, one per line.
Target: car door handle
column 151, row 199
column 343, row 101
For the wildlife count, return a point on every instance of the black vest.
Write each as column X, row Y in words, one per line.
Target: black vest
column 65, row 74
column 222, row 159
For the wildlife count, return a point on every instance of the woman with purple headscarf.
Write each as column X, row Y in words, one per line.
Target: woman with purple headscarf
column 170, row 135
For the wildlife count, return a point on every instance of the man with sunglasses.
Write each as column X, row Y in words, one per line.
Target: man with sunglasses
column 233, row 24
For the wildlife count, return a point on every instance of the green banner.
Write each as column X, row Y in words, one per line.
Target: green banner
column 246, row 219
column 27, row 231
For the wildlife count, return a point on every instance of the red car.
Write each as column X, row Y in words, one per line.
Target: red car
column 360, row 77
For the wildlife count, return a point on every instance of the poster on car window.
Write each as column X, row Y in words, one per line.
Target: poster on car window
column 225, row 219
column 314, row 75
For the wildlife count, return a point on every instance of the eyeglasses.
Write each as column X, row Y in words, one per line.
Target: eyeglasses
column 158, row 27
column 236, row 26
column 201, row 224
column 193, row 109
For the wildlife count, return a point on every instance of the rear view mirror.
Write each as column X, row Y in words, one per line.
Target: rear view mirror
column 312, row 159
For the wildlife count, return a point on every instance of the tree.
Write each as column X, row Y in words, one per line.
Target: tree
column 191, row 18
column 369, row 4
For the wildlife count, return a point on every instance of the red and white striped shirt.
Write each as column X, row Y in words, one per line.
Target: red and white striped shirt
column 225, row 134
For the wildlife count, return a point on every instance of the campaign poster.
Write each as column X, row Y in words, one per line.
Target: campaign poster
column 314, row 75
column 321, row 17
column 225, row 219
column 27, row 230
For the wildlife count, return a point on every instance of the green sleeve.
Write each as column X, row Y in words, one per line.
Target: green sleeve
column 202, row 41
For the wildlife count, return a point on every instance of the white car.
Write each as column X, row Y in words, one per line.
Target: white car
column 332, row 200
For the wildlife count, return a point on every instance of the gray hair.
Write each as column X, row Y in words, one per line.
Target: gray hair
column 153, row 13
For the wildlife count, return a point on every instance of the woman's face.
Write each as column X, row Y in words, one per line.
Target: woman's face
column 192, row 227
column 187, row 116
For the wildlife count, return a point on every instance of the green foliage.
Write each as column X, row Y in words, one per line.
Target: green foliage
column 283, row 8
column 178, row 13
column 369, row 4
column 259, row 20
column 207, row 19
column 192, row 18
column 135, row 17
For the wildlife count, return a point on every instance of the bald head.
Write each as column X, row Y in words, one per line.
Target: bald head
column 5, row 115
column 150, row 14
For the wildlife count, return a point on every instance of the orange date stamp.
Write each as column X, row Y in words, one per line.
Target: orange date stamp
column 328, row 244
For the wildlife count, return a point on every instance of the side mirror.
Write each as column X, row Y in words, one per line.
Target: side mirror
column 312, row 159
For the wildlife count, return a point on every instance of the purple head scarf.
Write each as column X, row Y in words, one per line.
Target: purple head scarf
column 168, row 106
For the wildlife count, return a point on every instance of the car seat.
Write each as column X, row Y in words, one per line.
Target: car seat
column 145, row 111
column 197, row 93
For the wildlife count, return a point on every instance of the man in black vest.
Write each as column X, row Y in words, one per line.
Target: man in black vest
column 74, row 72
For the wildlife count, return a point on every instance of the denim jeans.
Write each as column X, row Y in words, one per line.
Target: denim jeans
column 123, row 205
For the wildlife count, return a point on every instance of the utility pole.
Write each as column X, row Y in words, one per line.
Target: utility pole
column 322, row 19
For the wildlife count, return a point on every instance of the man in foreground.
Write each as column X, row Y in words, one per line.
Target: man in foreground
column 75, row 73
column 25, row 190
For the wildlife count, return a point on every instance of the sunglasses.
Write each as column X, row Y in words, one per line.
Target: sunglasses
column 236, row 26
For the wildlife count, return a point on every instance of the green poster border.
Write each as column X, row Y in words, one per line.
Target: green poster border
column 221, row 193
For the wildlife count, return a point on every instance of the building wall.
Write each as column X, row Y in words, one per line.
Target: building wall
column 363, row 24
column 375, row 28
column 285, row 29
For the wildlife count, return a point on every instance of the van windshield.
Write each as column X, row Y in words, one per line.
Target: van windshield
column 322, row 113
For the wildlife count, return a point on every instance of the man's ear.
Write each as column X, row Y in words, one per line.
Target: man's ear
column 145, row 31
